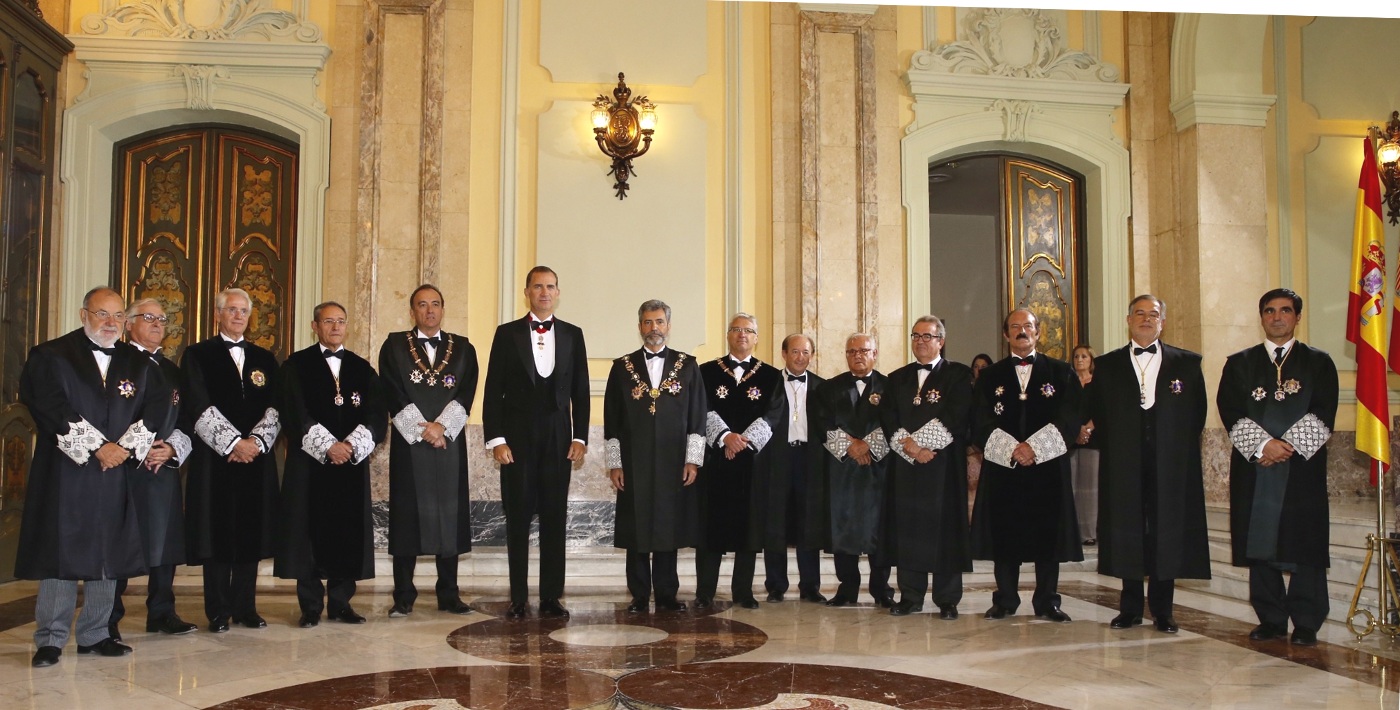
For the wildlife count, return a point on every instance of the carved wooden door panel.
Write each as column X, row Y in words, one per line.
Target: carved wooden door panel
column 1043, row 250
column 200, row 209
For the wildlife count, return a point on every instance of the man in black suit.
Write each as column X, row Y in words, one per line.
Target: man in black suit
column 535, row 420
column 1027, row 411
column 780, row 478
column 1279, row 401
column 155, row 489
column 1147, row 407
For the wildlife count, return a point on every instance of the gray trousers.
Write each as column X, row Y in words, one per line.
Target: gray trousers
column 58, row 599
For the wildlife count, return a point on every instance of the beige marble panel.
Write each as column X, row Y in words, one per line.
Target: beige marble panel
column 344, row 71
column 400, row 155
column 457, row 55
column 1186, row 175
column 1232, row 273
column 783, row 13
column 1139, row 28
column 456, row 163
column 786, row 173
column 837, row 180
column 837, row 111
column 401, row 88
column 1231, row 191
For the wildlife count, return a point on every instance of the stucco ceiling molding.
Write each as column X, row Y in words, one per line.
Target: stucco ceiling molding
column 218, row 20
column 1020, row 43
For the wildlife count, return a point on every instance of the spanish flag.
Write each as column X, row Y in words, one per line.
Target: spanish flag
column 1366, row 317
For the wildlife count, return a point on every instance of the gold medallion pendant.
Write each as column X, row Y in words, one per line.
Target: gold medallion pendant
column 654, row 394
column 339, row 400
column 257, row 378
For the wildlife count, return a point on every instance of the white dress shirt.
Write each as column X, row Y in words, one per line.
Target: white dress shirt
column 429, row 349
column 923, row 374
column 238, row 354
column 655, row 366
column 797, row 407
column 1146, row 366
column 104, row 360
column 332, row 362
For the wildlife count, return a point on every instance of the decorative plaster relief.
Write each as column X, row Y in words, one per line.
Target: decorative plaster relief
column 201, row 20
column 1014, row 115
column 1013, row 43
column 199, row 83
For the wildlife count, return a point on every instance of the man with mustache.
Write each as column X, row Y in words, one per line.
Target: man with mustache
column 1026, row 411
column 654, row 427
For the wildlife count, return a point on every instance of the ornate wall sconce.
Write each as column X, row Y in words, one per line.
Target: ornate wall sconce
column 1387, row 142
column 622, row 124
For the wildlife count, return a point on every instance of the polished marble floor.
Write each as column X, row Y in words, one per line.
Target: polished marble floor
column 786, row 655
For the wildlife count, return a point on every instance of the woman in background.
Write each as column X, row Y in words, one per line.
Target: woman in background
column 1084, row 455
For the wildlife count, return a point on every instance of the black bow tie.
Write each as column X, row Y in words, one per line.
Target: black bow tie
column 542, row 326
column 231, row 345
column 1150, row 350
column 733, row 364
column 864, row 380
column 798, row 378
column 434, row 341
column 333, row 353
column 1027, row 360
column 651, row 354
column 924, row 366
column 99, row 349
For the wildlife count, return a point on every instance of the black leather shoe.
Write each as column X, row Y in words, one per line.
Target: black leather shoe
column 1124, row 621
column 113, row 633
column 218, row 625
column 839, row 600
column 106, row 647
column 516, row 610
column 749, row 603
column 455, row 606
column 46, row 656
column 1267, row 632
column 1166, row 625
column 886, row 602
column 775, row 597
column 947, row 613
column 669, row 605
column 309, row 619
column 637, row 606
column 1090, row 542
column 997, row 612
column 346, row 616
column 699, row 603
column 1304, row 637
column 906, row 607
column 172, row 625
column 551, row 608
column 814, row 597
column 399, row 611
column 1053, row 614
column 251, row 622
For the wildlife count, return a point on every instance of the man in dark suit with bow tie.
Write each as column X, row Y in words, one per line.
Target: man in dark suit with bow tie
column 1026, row 411
column 535, row 419
column 1147, row 408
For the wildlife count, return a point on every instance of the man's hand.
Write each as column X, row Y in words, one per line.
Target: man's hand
column 501, row 452
column 734, row 444
column 910, row 448
column 691, row 471
column 111, row 455
column 245, row 451
column 925, row 455
column 339, row 453
column 615, row 475
column 576, row 451
column 1023, row 454
column 1276, row 451
column 859, row 450
column 1085, row 432
column 160, row 453
column 435, row 434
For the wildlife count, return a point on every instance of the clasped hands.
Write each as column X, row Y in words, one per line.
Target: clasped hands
column 1023, row 454
column 859, row 450
column 916, row 452
column 434, row 433
column 1276, row 451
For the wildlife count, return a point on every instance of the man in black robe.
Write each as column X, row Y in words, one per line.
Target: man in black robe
column 1279, row 401
column 1147, row 408
column 846, row 501
column 535, row 420
column 654, row 427
column 781, row 470
column 430, row 379
column 231, row 500
column 155, row 489
column 926, row 410
column 91, row 397
column 738, row 387
column 1026, row 410
column 333, row 412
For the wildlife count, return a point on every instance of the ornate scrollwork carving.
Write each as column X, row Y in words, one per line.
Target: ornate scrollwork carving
column 169, row 19
column 1014, row 114
column 1014, row 43
column 199, row 84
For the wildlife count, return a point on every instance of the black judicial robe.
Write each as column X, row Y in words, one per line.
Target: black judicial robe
column 79, row 521
column 726, row 491
column 772, row 524
column 1026, row 513
column 159, row 498
column 326, row 527
column 927, row 518
column 1179, row 415
column 845, row 500
column 230, row 508
column 1247, row 387
column 429, row 501
column 656, row 512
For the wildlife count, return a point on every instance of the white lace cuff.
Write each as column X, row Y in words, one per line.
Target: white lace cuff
column 407, row 421
column 361, row 442
column 879, row 447
column 837, row 442
column 758, row 434
column 999, row 447
column 715, row 428
column 182, row 445
column 81, row 440
column 612, row 454
column 138, row 439
column 452, row 419
column 695, row 449
column 217, row 431
column 1048, row 444
column 1247, row 436
column 932, row 436
column 1307, row 435
column 265, row 431
column 317, row 442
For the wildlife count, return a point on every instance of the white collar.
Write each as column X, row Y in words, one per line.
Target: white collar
column 1270, row 346
column 230, row 340
column 419, row 334
column 935, row 362
column 325, row 349
column 1155, row 343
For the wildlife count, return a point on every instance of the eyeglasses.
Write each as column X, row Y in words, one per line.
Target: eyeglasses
column 925, row 336
column 233, row 311
column 153, row 318
column 745, row 331
column 104, row 315
column 328, row 322
column 861, row 351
